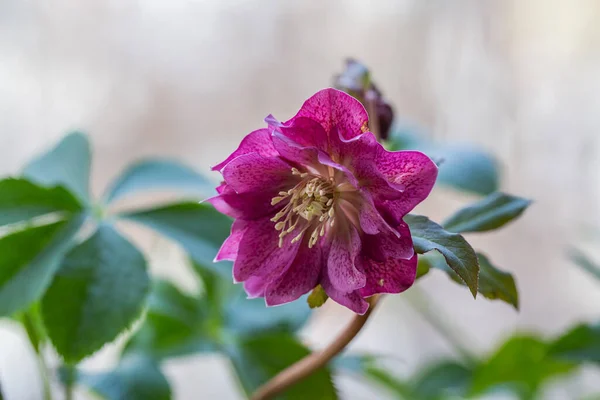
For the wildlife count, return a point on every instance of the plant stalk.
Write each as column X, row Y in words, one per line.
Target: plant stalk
column 314, row 361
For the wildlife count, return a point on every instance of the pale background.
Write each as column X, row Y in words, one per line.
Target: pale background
column 190, row 78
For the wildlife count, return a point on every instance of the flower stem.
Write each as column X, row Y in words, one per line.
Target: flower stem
column 311, row 363
column 31, row 323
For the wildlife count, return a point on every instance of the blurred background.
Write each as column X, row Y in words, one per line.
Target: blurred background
column 190, row 78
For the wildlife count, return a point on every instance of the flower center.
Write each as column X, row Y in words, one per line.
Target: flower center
column 311, row 200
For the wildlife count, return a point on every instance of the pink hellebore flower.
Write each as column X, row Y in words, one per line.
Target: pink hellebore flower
column 317, row 200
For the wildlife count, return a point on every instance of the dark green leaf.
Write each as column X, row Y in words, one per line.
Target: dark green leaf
column 446, row 379
column 28, row 261
column 156, row 175
column 466, row 168
column 135, row 378
column 198, row 228
column 492, row 212
column 460, row 256
column 97, row 293
column 521, row 365
column 176, row 324
column 585, row 262
column 249, row 316
column 494, row 284
column 256, row 359
column 581, row 344
column 21, row 200
column 67, row 164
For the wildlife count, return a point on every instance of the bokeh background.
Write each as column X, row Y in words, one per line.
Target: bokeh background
column 189, row 78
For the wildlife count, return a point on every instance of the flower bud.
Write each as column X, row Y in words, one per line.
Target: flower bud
column 356, row 81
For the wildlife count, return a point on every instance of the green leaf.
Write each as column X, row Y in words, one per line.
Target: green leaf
column 34, row 326
column 176, row 324
column 443, row 380
column 29, row 259
column 494, row 284
column 245, row 316
column 521, row 365
column 135, row 378
column 583, row 261
column 21, row 200
column 466, row 168
column 198, row 228
column 391, row 383
column 581, row 344
column 256, row 359
column 460, row 256
column 67, row 164
column 490, row 213
column 97, row 293
column 158, row 174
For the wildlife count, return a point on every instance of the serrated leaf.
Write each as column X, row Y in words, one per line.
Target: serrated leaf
column 460, row 256
column 135, row 378
column 149, row 175
column 580, row 344
column 521, row 365
column 176, row 324
column 490, row 213
column 443, row 380
column 494, row 284
column 67, row 164
column 96, row 294
column 29, row 259
column 21, row 200
column 198, row 228
column 586, row 263
column 466, row 168
column 258, row 358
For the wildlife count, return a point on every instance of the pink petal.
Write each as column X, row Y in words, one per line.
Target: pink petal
column 294, row 152
column 331, row 108
column 392, row 276
column 255, row 286
column 341, row 271
column 301, row 277
column 388, row 244
column 352, row 300
column 412, row 169
column 259, row 253
column 249, row 206
column 304, row 131
column 254, row 173
column 229, row 249
column 258, row 141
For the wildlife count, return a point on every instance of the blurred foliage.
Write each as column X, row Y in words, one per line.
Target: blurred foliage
column 519, row 367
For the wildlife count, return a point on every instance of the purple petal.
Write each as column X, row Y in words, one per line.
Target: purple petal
column 258, row 141
column 229, row 249
column 301, row 277
column 341, row 270
column 255, row 286
column 304, row 131
column 352, row 300
column 412, row 169
column 392, row 276
column 388, row 244
column 333, row 108
column 259, row 253
column 249, row 206
column 255, row 173
column 294, row 152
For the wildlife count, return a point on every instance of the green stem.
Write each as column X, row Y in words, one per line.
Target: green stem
column 420, row 303
column 69, row 381
column 32, row 325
